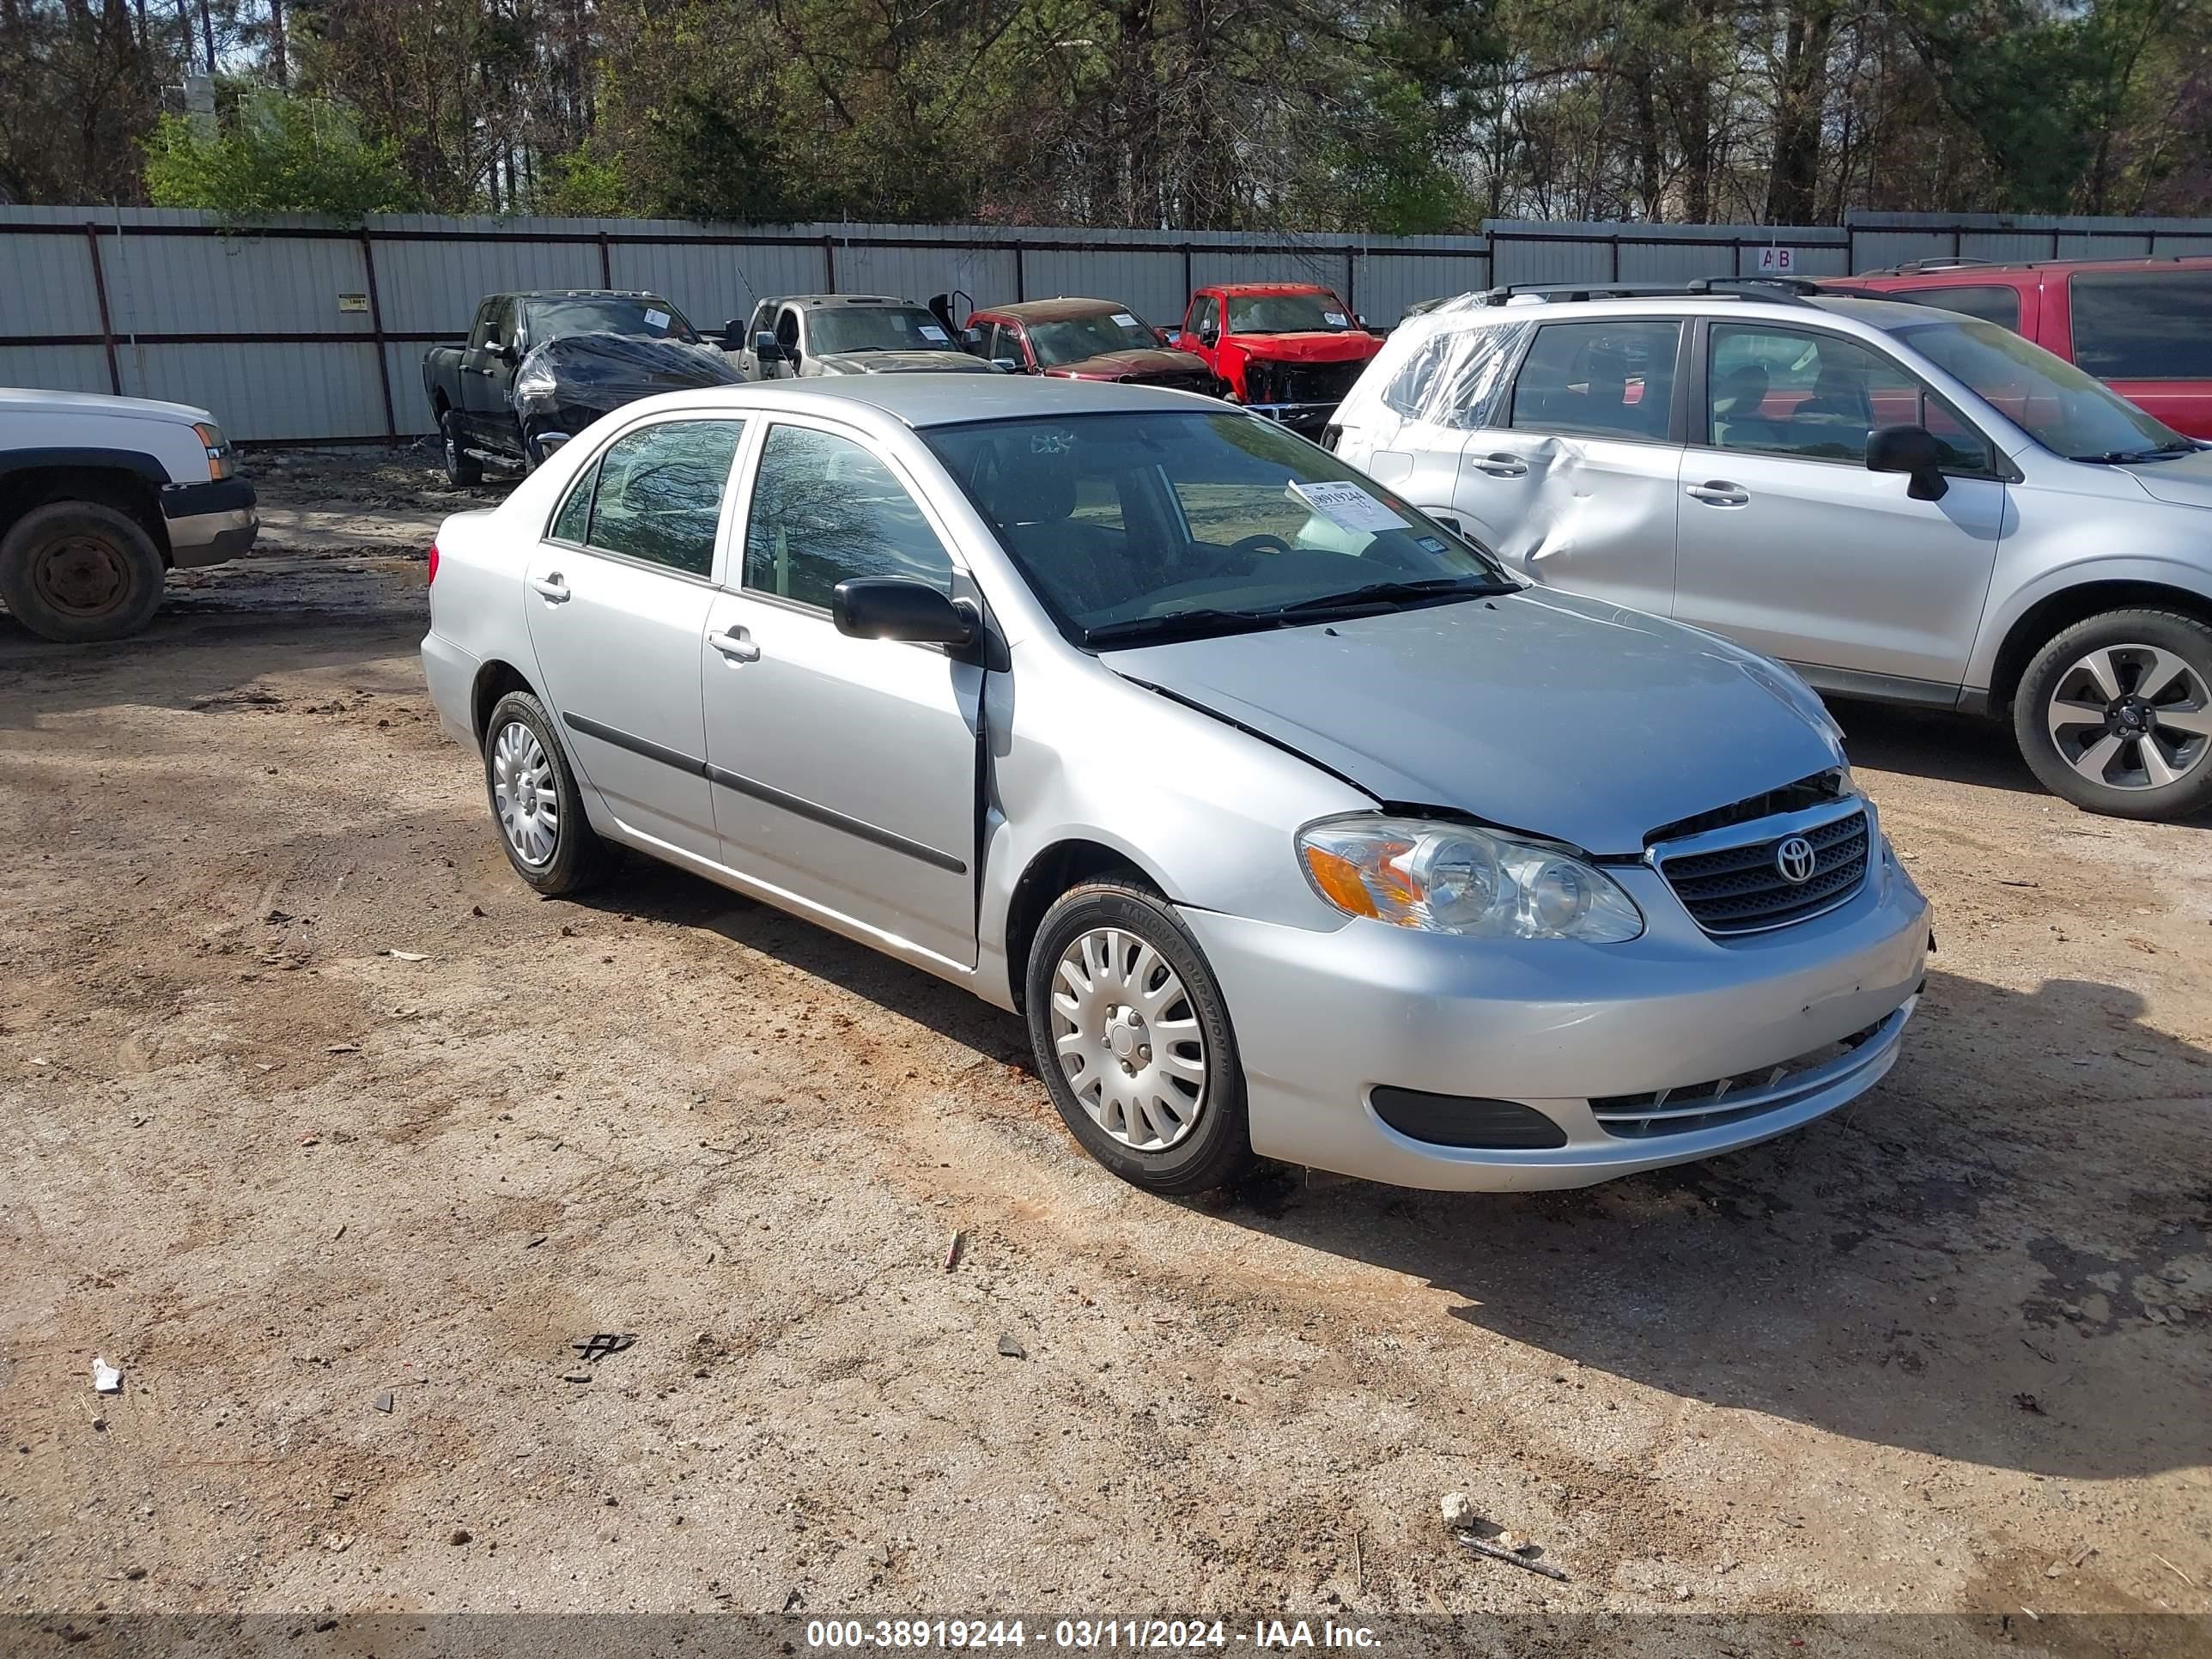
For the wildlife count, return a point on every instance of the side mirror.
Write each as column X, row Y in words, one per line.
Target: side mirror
column 1359, row 320
column 1007, row 365
column 733, row 336
column 897, row 608
column 508, row 354
column 766, row 349
column 1207, row 337
column 1914, row 450
column 1164, row 338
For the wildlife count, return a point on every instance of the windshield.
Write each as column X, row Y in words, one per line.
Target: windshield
column 2054, row 403
column 1288, row 314
column 876, row 328
column 651, row 318
column 1073, row 339
column 1140, row 526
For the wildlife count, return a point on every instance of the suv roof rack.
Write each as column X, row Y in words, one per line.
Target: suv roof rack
column 1926, row 267
column 1781, row 290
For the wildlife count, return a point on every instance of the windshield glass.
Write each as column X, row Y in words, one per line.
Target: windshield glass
column 1073, row 339
column 2058, row 406
column 648, row 318
column 876, row 328
column 1154, row 525
column 1288, row 314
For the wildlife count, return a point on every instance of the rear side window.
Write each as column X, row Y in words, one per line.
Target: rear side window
column 1459, row 378
column 656, row 495
column 2143, row 324
column 1998, row 302
column 1611, row 379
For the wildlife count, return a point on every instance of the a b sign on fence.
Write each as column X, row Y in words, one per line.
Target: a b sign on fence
column 1778, row 261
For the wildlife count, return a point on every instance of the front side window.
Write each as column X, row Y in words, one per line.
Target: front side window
column 823, row 508
column 656, row 494
column 1205, row 315
column 1288, row 314
column 1997, row 303
column 2060, row 406
column 1607, row 378
column 2143, row 324
column 1818, row 398
column 1136, row 525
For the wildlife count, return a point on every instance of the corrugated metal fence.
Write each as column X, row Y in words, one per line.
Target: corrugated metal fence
column 299, row 329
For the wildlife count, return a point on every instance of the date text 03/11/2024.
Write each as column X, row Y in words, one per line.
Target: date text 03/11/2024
column 1152, row 1635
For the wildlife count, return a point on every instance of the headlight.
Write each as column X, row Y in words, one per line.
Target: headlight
column 1443, row 877
column 219, row 461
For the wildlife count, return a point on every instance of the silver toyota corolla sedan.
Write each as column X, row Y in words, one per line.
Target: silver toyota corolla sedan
column 1291, row 824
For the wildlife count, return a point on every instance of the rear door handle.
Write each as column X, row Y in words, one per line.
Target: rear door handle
column 1717, row 492
column 552, row 587
column 1502, row 466
column 737, row 645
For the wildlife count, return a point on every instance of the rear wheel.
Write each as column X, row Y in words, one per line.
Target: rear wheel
column 536, row 803
column 463, row 470
column 2115, row 714
column 1133, row 1039
column 80, row 571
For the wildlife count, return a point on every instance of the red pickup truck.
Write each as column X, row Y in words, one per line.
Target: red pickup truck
column 1287, row 350
column 2144, row 326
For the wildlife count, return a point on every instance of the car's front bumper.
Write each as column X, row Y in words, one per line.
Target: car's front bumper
column 210, row 522
column 1323, row 1020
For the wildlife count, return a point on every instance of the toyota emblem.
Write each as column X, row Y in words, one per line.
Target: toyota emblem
column 1796, row 860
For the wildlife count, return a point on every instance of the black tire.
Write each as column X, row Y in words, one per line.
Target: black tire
column 1216, row 1148
column 2053, row 674
column 78, row 571
column 463, row 470
column 578, row 858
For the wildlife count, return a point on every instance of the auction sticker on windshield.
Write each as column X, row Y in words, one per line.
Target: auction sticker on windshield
column 1347, row 507
column 1125, row 319
column 1334, row 319
column 931, row 331
column 656, row 319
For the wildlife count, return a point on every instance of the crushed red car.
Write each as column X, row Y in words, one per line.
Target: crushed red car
column 1288, row 350
column 2143, row 326
column 1083, row 340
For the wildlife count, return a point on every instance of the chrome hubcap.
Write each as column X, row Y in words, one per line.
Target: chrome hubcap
column 2131, row 717
column 1128, row 1040
column 523, row 794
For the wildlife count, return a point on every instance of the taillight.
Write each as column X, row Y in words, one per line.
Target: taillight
column 433, row 576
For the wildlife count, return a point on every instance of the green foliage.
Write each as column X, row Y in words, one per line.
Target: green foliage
column 275, row 153
column 585, row 186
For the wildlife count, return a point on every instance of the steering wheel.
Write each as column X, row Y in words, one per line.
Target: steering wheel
column 1243, row 557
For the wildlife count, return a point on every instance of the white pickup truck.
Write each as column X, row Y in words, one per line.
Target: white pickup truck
column 100, row 498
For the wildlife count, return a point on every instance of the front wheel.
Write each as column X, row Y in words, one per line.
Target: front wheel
column 2115, row 714
column 79, row 571
column 1133, row 1039
column 463, row 470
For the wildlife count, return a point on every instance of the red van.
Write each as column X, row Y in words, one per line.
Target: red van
column 2144, row 326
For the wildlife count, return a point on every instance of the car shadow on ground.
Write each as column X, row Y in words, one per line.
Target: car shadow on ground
column 1972, row 1261
column 1933, row 743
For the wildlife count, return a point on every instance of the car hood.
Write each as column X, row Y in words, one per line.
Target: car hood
column 1318, row 348
column 2186, row 482
column 17, row 400
column 903, row 362
column 1140, row 364
column 1538, row 712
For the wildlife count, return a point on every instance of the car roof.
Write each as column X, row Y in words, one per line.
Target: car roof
column 1051, row 311
column 823, row 301
column 1946, row 273
column 1270, row 288
column 929, row 400
column 1877, row 313
column 581, row 294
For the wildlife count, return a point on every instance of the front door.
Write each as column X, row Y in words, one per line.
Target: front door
column 844, row 771
column 618, row 596
column 1573, row 484
column 486, row 376
column 1790, row 544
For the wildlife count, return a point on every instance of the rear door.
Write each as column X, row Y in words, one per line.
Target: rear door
column 619, row 592
column 2148, row 335
column 1790, row 544
column 1573, row 480
column 844, row 770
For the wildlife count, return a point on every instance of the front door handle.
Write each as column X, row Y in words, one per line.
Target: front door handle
column 737, row 645
column 552, row 587
column 1718, row 492
column 1501, row 465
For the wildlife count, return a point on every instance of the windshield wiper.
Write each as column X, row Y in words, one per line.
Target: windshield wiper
column 1397, row 592
column 1177, row 624
column 2122, row 457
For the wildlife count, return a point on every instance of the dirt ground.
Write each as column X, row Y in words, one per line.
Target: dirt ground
column 335, row 1139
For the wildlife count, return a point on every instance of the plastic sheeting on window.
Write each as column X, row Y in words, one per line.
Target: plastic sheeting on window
column 1457, row 376
column 579, row 377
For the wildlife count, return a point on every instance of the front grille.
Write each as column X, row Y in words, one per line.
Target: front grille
column 1748, row 1094
column 1314, row 383
column 1741, row 889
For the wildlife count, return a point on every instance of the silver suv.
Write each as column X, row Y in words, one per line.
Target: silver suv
column 1902, row 503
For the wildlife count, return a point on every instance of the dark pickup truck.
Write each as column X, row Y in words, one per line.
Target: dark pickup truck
column 540, row 367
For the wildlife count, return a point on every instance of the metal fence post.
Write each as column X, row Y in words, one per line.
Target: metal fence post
column 376, row 333
column 107, row 325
